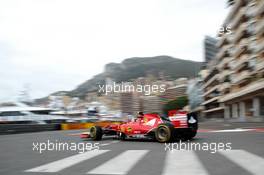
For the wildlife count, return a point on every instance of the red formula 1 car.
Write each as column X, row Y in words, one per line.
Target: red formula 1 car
column 179, row 125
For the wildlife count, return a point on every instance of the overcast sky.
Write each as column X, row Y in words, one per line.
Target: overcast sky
column 51, row 45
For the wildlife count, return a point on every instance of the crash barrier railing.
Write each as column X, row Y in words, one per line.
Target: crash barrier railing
column 70, row 126
column 23, row 128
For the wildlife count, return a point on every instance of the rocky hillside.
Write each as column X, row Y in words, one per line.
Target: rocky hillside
column 132, row 68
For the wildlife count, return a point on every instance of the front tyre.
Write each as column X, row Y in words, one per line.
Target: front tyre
column 96, row 133
column 164, row 133
column 122, row 136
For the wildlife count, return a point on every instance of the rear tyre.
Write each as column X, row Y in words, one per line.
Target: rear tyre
column 164, row 133
column 190, row 135
column 193, row 125
column 96, row 133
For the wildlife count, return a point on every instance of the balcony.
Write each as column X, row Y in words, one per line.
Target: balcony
column 241, row 47
column 251, row 9
column 223, row 40
column 240, row 63
column 224, row 62
column 238, row 18
column 260, row 8
column 224, row 86
column 211, row 80
column 211, row 100
column 253, row 46
column 211, row 90
column 260, row 66
column 234, row 10
column 213, row 109
column 251, row 88
column 223, row 74
column 260, row 46
column 222, row 52
column 231, row 63
column 239, row 78
column 240, row 32
column 211, row 72
column 260, row 28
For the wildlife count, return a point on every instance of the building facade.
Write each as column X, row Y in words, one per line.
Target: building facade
column 244, row 97
column 234, row 87
column 211, row 89
column 210, row 48
column 151, row 104
column 131, row 103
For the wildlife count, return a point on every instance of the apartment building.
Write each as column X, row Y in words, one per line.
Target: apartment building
column 151, row 104
column 211, row 89
column 178, row 89
column 245, row 95
column 210, row 48
column 127, row 102
column 234, row 87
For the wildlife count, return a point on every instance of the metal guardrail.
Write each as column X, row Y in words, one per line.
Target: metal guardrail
column 24, row 128
column 70, row 126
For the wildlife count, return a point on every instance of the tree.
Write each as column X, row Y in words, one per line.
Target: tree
column 177, row 104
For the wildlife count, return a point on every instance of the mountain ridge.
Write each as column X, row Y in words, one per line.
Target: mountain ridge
column 132, row 68
column 135, row 67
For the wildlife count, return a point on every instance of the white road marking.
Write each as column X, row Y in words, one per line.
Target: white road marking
column 105, row 144
column 234, row 130
column 120, row 164
column 183, row 162
column 250, row 162
column 67, row 162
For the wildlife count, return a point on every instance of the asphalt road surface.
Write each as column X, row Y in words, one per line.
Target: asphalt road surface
column 240, row 150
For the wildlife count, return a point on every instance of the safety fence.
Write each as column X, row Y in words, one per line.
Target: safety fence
column 24, row 128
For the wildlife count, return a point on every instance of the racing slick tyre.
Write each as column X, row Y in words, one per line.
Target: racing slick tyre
column 96, row 133
column 122, row 136
column 164, row 133
column 193, row 125
column 190, row 135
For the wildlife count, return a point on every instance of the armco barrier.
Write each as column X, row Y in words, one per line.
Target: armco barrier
column 23, row 128
column 70, row 126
